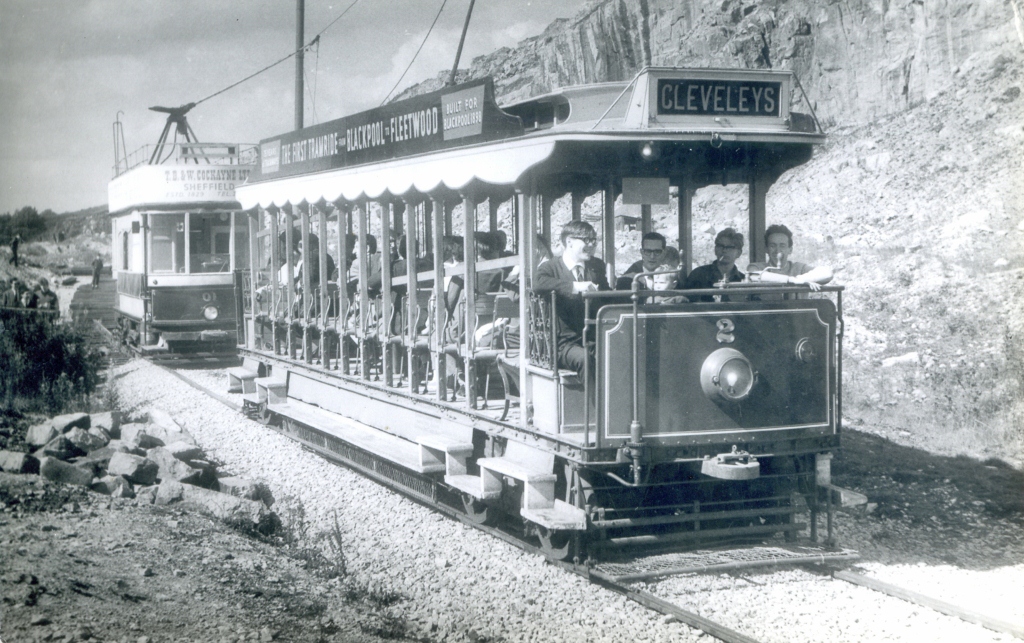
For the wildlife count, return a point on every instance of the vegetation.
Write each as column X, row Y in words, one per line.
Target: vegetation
column 26, row 221
column 48, row 366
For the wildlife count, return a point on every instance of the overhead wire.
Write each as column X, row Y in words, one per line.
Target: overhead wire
column 416, row 54
column 315, row 39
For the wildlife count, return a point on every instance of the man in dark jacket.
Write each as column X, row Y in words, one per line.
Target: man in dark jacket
column 728, row 248
column 14, row 250
column 577, row 271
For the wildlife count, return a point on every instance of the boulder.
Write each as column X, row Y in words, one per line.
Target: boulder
column 100, row 433
column 145, row 495
column 138, row 435
column 163, row 419
column 169, row 491
column 40, row 434
column 135, row 468
column 17, row 462
column 243, row 488
column 114, row 486
column 58, row 471
column 109, row 422
column 60, row 447
column 64, row 423
column 100, row 458
column 121, row 445
column 210, row 475
column 84, row 440
column 171, row 468
column 185, row 451
column 169, row 437
column 238, row 512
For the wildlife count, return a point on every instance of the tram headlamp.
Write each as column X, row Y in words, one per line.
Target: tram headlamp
column 727, row 375
column 210, row 312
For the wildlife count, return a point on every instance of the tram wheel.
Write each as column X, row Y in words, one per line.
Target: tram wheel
column 477, row 511
column 555, row 544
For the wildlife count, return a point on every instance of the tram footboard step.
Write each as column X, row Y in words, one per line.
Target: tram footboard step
column 560, row 517
column 320, row 427
column 271, row 389
column 241, row 380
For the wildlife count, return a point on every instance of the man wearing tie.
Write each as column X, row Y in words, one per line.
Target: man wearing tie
column 577, row 271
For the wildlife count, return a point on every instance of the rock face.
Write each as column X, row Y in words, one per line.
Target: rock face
column 833, row 47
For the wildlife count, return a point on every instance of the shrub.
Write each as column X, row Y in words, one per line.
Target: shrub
column 48, row 366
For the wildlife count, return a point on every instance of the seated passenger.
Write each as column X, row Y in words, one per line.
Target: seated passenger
column 399, row 268
column 487, row 248
column 728, row 248
column 373, row 265
column 667, row 281
column 671, row 257
column 779, row 242
column 577, row 271
column 652, row 250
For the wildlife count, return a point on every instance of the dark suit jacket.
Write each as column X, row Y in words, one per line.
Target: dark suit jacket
column 554, row 276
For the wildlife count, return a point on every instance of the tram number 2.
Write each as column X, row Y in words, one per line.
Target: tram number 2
column 725, row 331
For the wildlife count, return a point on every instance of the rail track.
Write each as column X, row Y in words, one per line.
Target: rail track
column 635, row 578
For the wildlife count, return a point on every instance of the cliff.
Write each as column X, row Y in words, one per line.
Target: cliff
column 857, row 59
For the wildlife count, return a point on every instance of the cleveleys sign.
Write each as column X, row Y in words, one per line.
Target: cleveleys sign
column 708, row 97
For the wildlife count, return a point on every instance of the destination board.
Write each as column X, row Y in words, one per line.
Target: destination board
column 710, row 97
column 456, row 116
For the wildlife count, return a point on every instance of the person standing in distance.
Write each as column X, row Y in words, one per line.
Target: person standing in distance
column 97, row 266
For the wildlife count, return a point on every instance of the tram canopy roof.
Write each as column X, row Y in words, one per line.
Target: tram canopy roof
column 451, row 138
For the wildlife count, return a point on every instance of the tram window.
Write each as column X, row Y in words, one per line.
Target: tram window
column 209, row 242
column 167, row 248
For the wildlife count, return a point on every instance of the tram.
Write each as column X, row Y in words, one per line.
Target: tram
column 179, row 239
column 692, row 423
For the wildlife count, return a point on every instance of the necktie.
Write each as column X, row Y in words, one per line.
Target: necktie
column 578, row 272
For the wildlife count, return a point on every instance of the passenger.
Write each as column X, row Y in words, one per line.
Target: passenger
column 373, row 265
column 671, row 257
column 652, row 251
column 487, row 248
column 12, row 296
column 668, row 281
column 314, row 267
column 399, row 268
column 780, row 270
column 541, row 254
column 576, row 272
column 728, row 248
column 47, row 299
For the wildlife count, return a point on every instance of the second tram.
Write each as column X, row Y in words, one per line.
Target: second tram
column 179, row 239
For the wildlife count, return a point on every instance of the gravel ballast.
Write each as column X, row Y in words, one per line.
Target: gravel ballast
column 460, row 584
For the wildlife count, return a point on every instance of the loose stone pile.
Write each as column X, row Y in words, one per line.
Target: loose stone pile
column 152, row 459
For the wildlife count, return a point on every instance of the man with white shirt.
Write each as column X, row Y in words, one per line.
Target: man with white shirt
column 779, row 241
column 577, row 271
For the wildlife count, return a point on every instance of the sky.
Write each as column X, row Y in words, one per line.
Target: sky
column 68, row 68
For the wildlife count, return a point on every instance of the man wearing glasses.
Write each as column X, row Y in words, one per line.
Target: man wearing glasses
column 577, row 271
column 779, row 269
column 728, row 248
column 652, row 251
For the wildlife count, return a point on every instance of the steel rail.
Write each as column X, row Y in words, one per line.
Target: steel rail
column 936, row 604
column 646, row 599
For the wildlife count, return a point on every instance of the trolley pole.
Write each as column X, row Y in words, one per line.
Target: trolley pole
column 300, row 25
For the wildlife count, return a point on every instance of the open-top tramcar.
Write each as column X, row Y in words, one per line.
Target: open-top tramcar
column 179, row 239
column 694, row 423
